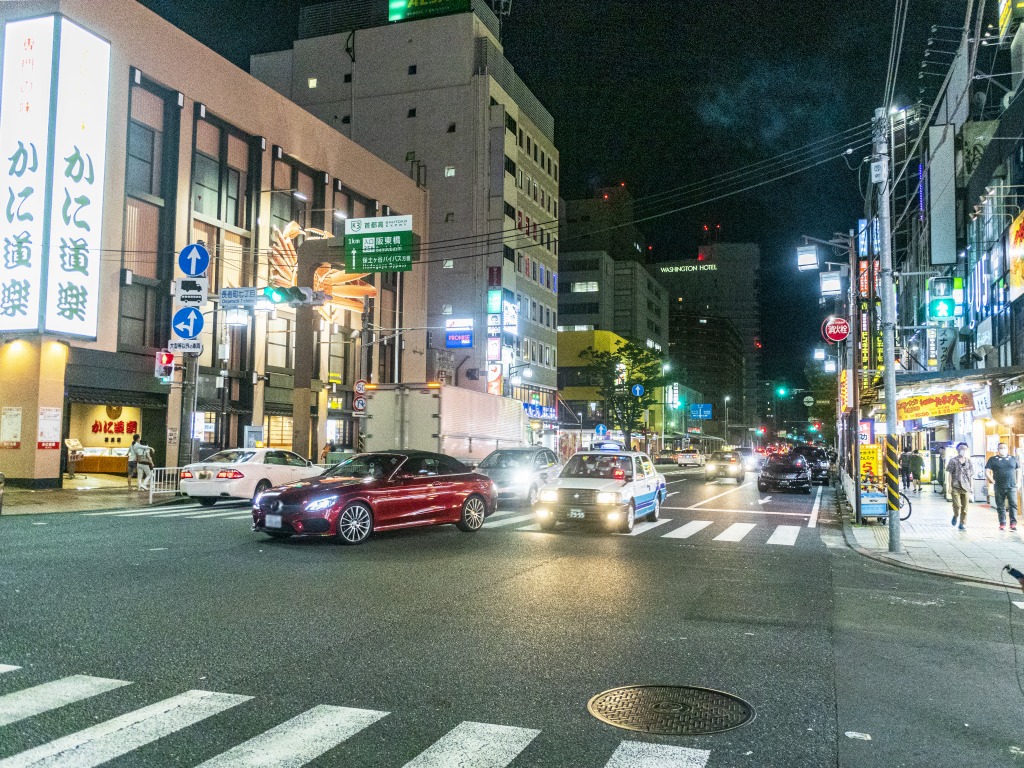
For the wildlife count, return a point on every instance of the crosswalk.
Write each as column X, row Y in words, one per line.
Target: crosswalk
column 235, row 510
column 292, row 743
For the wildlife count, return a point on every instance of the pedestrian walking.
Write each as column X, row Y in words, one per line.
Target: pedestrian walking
column 905, row 473
column 132, row 462
column 960, row 476
column 917, row 469
column 1003, row 471
column 144, row 461
column 328, row 449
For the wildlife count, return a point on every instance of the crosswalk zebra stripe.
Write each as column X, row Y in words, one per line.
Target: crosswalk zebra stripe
column 139, row 510
column 42, row 698
column 8, row 668
column 475, row 745
column 296, row 742
column 637, row 754
column 189, row 514
column 509, row 521
column 533, row 527
column 503, row 513
column 785, row 535
column 162, row 513
column 102, row 742
column 240, row 517
column 645, row 526
column 688, row 530
column 208, row 515
column 735, row 532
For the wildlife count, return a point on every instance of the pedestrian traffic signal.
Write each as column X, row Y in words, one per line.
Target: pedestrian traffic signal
column 942, row 308
column 782, row 391
column 293, row 295
column 164, row 367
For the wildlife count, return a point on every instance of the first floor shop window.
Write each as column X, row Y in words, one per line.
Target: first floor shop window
column 277, row 432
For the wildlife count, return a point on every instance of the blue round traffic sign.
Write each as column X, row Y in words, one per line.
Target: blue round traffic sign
column 187, row 323
column 601, row 430
column 194, row 259
column 637, row 390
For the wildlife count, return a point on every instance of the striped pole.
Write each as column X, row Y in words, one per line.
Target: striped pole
column 892, row 490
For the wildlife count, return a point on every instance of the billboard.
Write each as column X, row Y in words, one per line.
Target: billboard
column 379, row 244
column 410, row 10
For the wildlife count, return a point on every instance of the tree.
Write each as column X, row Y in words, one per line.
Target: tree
column 615, row 374
column 823, row 388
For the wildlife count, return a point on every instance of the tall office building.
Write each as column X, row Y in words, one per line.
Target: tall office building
column 723, row 281
column 427, row 88
column 604, row 222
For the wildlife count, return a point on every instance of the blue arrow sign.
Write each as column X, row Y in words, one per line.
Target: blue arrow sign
column 194, row 260
column 601, row 430
column 187, row 322
column 637, row 390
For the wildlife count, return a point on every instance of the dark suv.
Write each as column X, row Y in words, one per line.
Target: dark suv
column 817, row 460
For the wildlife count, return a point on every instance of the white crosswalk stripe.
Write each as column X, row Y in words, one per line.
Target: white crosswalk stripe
column 735, row 532
column 105, row 741
column 208, row 515
column 140, row 510
column 645, row 526
column 785, row 535
column 297, row 741
column 42, row 698
column 688, row 530
column 8, row 668
column 508, row 521
column 637, row 754
column 475, row 745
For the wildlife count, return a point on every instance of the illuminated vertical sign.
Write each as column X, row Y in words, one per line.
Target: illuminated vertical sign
column 53, row 132
column 76, row 193
column 24, row 147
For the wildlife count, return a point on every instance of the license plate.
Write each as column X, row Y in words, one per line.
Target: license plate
column 576, row 514
column 272, row 521
column 205, row 475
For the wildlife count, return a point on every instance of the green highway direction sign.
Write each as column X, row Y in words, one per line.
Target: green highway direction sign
column 380, row 244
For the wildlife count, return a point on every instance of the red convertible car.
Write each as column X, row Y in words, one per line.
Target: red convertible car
column 377, row 492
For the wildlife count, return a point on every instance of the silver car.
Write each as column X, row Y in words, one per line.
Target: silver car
column 518, row 473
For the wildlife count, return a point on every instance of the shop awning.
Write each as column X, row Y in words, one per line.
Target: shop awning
column 94, row 396
column 908, row 381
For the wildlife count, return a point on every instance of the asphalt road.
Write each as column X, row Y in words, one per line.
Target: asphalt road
column 440, row 648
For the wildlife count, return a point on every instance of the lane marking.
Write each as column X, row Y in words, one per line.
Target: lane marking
column 241, row 517
column 766, row 512
column 638, row 754
column 720, row 495
column 475, row 745
column 1019, row 603
column 813, row 522
column 160, row 513
column 59, row 693
column 765, row 500
column 135, row 510
column 209, row 515
column 509, row 521
column 533, row 527
column 504, row 513
column 298, row 741
column 640, row 527
column 680, row 480
column 8, row 668
column 736, row 532
column 674, row 493
column 189, row 514
column 103, row 742
column 687, row 530
column 157, row 549
column 785, row 535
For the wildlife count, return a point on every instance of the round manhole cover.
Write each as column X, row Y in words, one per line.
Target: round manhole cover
column 670, row 710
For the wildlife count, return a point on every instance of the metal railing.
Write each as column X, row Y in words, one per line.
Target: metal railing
column 163, row 480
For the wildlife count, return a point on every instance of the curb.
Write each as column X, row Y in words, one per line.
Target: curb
column 11, row 511
column 880, row 558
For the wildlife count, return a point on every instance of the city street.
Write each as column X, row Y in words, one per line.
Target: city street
column 439, row 648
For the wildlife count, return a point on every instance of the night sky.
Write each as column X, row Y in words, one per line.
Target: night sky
column 661, row 95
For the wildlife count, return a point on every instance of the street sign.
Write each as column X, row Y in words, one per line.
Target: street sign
column 360, row 387
column 194, row 260
column 601, row 430
column 835, row 329
column 637, row 390
column 808, row 401
column 358, row 403
column 187, row 323
column 239, row 297
column 700, row 411
column 379, row 244
column 195, row 347
column 191, row 291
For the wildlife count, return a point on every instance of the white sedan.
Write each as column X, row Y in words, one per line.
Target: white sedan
column 243, row 473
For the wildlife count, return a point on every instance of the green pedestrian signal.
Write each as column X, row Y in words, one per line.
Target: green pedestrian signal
column 782, row 391
column 942, row 308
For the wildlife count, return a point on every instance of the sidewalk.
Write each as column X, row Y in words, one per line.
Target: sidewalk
column 931, row 543
column 84, row 493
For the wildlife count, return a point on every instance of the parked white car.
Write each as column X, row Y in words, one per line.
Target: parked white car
column 610, row 488
column 689, row 457
column 243, row 473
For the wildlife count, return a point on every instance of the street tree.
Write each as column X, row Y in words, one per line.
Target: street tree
column 615, row 373
column 823, row 388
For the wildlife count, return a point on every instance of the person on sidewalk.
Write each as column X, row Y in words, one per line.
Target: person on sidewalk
column 917, row 469
column 133, row 462
column 1003, row 471
column 905, row 473
column 960, row 474
column 144, row 459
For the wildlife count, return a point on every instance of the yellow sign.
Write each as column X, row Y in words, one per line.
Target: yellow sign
column 845, row 393
column 943, row 404
column 871, row 460
column 1017, row 258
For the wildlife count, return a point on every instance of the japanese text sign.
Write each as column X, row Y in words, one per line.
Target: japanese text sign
column 943, row 404
column 381, row 244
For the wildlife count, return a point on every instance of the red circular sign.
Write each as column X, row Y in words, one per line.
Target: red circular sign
column 835, row 329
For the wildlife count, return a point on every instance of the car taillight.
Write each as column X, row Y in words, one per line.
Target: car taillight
column 229, row 474
column 618, row 474
column 732, row 461
column 186, row 474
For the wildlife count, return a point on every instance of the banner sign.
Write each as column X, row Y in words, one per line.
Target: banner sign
column 871, row 460
column 944, row 404
column 380, row 244
column 540, row 412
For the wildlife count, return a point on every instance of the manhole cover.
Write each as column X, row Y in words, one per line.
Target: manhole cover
column 671, row 710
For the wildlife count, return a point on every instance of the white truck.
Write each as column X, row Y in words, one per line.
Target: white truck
column 458, row 422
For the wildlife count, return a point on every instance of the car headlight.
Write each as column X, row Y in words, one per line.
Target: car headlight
column 522, row 477
column 549, row 496
column 712, row 466
column 321, row 504
column 609, row 498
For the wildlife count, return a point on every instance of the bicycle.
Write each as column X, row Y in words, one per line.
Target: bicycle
column 904, row 506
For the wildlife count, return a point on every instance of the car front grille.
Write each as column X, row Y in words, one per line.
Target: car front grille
column 274, row 507
column 582, row 496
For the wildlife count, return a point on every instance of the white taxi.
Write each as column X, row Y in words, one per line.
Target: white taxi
column 243, row 473
column 610, row 488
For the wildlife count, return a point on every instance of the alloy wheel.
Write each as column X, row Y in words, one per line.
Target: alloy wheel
column 354, row 524
column 473, row 513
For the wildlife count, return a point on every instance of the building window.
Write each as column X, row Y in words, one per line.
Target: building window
column 448, row 264
column 347, row 77
column 519, row 263
column 543, row 160
column 449, row 171
column 510, row 211
column 534, row 272
column 451, row 127
column 541, row 273
column 143, row 159
column 589, row 286
column 411, row 112
column 412, row 69
column 529, row 145
column 520, row 138
column 346, row 119
column 554, row 282
column 510, row 124
column 510, row 166
column 547, row 317
column 509, row 253
column 311, row 82
column 280, row 347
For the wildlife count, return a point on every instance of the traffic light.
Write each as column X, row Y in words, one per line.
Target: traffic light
column 293, row 295
column 164, row 366
column 943, row 308
column 815, row 426
column 761, row 431
column 782, row 391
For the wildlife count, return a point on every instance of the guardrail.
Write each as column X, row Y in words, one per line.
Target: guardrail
column 163, row 480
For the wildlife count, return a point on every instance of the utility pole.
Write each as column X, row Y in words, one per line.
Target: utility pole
column 853, row 381
column 882, row 175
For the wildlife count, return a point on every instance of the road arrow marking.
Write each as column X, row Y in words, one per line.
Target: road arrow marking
column 765, row 500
